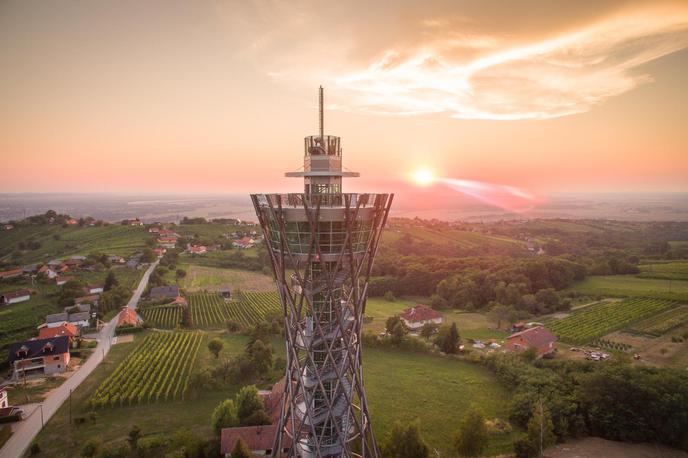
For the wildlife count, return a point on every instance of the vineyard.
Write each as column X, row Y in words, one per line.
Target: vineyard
column 158, row 370
column 611, row 345
column 663, row 322
column 595, row 321
column 209, row 310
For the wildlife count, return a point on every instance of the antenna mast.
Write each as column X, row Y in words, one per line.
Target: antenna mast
column 322, row 120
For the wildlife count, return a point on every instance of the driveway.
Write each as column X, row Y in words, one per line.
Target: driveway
column 31, row 426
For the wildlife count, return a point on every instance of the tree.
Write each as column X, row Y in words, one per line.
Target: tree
column 91, row 448
column 187, row 318
column 500, row 312
column 250, row 407
column 428, row 329
column 398, row 333
column 541, row 429
column 241, row 450
column 133, row 437
column 179, row 274
column 448, row 339
column 148, row 255
column 215, row 346
column 389, row 296
column 472, row 437
column 405, row 442
column 110, row 281
column 391, row 323
column 224, row 416
column 261, row 356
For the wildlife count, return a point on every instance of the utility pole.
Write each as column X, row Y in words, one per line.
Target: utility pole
column 41, row 406
column 541, row 423
column 70, row 407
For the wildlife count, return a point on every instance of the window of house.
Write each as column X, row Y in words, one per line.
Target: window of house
column 56, row 358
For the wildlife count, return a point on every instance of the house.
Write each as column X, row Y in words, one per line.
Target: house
column 115, row 259
column 163, row 292
column 13, row 297
column 259, row 439
column 243, row 243
column 415, row 317
column 62, row 280
column 31, row 269
column 73, row 263
column 196, row 249
column 167, row 242
column 3, row 399
column 135, row 222
column 154, row 230
column 537, row 337
column 225, row 292
column 39, row 356
column 90, row 299
column 71, row 221
column 54, row 264
column 129, row 317
column 7, row 227
column 133, row 263
column 78, row 319
column 47, row 271
column 11, row 273
column 159, row 251
column 168, row 233
column 64, row 329
column 94, row 289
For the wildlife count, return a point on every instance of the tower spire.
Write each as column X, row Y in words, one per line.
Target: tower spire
column 322, row 117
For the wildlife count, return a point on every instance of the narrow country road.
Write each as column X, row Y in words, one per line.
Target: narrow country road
column 31, row 426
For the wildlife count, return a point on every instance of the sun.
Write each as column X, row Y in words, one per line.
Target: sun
column 423, row 177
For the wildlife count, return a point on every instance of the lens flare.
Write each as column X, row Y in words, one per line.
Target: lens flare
column 423, row 177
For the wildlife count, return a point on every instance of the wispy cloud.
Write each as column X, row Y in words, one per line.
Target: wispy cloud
column 490, row 77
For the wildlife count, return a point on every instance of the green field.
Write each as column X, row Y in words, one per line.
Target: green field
column 201, row 278
column 674, row 270
column 434, row 390
column 598, row 320
column 158, row 370
column 111, row 239
column 663, row 322
column 448, row 387
column 632, row 286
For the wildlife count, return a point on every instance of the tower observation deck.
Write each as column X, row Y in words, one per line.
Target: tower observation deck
column 322, row 243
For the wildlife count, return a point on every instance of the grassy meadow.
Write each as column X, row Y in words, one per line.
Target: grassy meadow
column 632, row 286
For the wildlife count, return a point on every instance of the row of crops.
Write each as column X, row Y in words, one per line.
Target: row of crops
column 158, row 370
column 663, row 322
column 209, row 310
column 597, row 320
column 611, row 345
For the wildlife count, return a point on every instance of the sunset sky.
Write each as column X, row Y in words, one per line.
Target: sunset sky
column 216, row 96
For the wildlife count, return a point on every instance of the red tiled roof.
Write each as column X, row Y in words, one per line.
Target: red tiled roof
column 128, row 316
column 257, row 438
column 65, row 329
column 539, row 336
column 420, row 313
column 11, row 272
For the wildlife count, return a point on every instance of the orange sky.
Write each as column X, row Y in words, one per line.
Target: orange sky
column 216, row 96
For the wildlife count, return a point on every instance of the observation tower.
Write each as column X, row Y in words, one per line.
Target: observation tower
column 322, row 244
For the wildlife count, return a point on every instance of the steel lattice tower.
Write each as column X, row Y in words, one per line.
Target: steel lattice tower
column 322, row 244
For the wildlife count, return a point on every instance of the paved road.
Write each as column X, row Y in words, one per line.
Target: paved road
column 30, row 427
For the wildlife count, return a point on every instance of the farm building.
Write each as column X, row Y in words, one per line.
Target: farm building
column 244, row 242
column 93, row 289
column 78, row 319
column 167, row 242
column 415, row 317
column 39, row 356
column 11, row 273
column 537, row 337
column 47, row 271
column 13, row 297
column 225, row 292
column 128, row 317
column 162, row 292
column 64, row 329
column 196, row 249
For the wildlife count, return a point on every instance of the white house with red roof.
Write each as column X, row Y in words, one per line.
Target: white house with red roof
column 244, row 242
column 415, row 317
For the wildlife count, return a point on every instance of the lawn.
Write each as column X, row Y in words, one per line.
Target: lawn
column 470, row 325
column 434, row 390
column 632, row 286
column 200, row 278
